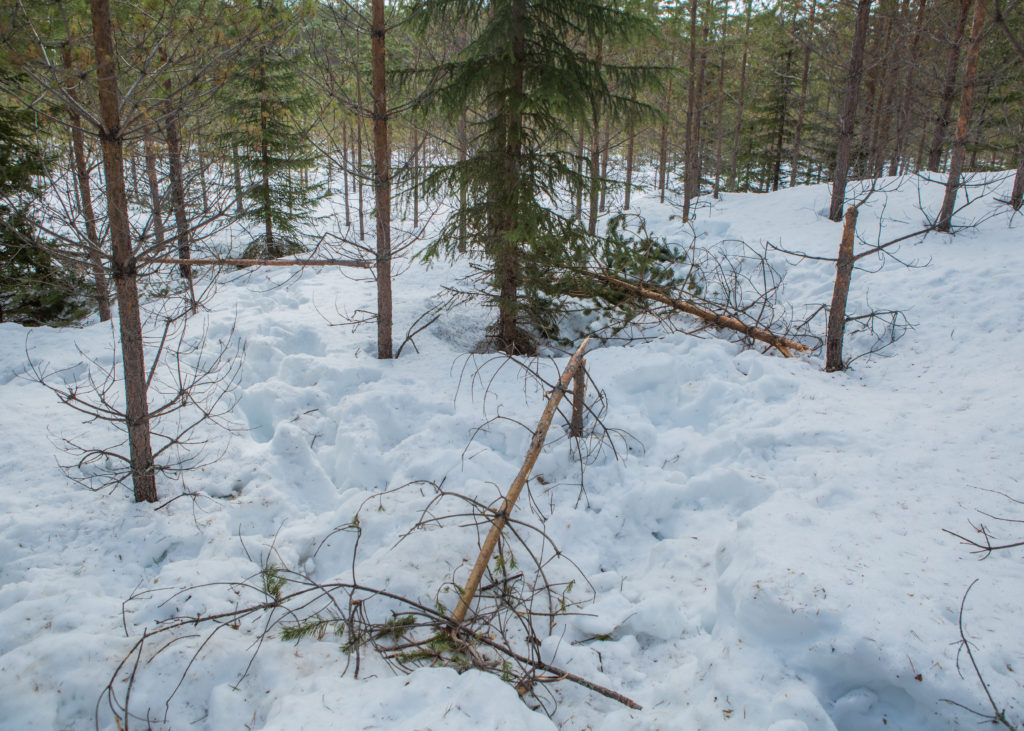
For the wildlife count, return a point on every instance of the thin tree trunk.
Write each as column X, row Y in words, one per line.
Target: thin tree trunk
column 849, row 111
column 698, row 123
column 507, row 259
column 780, row 137
column 359, row 160
column 93, row 247
column 663, row 142
column 154, row 185
column 948, row 89
column 236, row 170
column 1017, row 195
column 344, row 174
column 956, row 158
column 629, row 168
column 719, row 108
column 177, row 177
column 605, row 150
column 691, row 102
column 595, row 158
column 804, row 78
column 579, row 171
column 742, row 99
column 381, row 179
column 463, row 154
column 903, row 108
column 840, row 293
column 123, row 262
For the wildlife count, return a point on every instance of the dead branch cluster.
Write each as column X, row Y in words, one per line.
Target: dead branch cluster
column 519, row 586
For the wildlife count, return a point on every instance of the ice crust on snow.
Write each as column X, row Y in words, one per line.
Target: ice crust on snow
column 768, row 555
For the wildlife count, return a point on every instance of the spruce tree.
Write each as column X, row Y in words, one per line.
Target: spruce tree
column 266, row 101
column 527, row 70
column 35, row 289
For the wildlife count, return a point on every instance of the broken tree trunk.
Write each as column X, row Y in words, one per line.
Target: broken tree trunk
column 509, row 501
column 837, row 313
column 784, row 345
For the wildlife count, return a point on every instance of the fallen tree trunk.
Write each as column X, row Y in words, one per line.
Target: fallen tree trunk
column 786, row 346
column 356, row 263
column 509, row 501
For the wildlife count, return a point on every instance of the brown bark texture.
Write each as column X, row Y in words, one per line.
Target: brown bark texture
column 381, row 179
column 836, row 327
column 508, row 502
column 849, row 115
column 123, row 261
column 948, row 89
column 93, row 246
column 956, row 158
column 782, row 344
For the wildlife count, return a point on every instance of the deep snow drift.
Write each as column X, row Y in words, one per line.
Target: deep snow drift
column 766, row 552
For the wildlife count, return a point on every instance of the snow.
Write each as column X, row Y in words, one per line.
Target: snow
column 766, row 552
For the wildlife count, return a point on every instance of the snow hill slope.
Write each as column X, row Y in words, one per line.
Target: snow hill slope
column 766, row 553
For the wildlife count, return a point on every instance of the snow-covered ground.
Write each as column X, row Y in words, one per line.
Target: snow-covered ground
column 766, row 552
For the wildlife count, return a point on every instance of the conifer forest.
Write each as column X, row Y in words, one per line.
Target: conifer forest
column 511, row 364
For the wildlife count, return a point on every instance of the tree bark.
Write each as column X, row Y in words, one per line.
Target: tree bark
column 849, row 115
column 1017, row 195
column 804, row 79
column 93, row 247
column 595, row 159
column 123, row 260
column 154, row 185
column 742, row 98
column 691, row 101
column 629, row 168
column 507, row 254
column 840, row 293
column 381, row 179
column 948, row 89
column 516, row 488
column 956, row 158
column 903, row 108
column 663, row 143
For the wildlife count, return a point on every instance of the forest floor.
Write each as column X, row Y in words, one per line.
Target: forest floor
column 763, row 549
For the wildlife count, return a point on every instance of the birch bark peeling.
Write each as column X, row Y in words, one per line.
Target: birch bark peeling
column 508, row 502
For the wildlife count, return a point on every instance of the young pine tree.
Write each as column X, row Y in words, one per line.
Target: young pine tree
column 527, row 71
column 266, row 101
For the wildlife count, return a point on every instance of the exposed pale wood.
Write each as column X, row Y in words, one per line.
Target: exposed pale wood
column 508, row 502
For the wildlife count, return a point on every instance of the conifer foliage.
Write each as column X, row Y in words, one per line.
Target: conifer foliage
column 528, row 72
column 35, row 288
column 266, row 101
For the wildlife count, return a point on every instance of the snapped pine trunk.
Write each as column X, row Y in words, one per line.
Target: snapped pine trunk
column 512, row 495
column 840, row 293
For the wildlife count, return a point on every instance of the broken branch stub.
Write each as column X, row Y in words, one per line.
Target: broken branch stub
column 509, row 501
